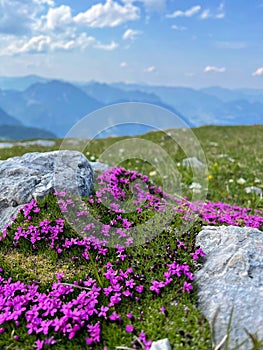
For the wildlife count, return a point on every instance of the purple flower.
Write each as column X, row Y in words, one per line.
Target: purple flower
column 187, row 287
column 129, row 328
column 114, row 316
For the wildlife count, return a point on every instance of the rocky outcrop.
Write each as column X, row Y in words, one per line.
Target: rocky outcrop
column 232, row 277
column 34, row 175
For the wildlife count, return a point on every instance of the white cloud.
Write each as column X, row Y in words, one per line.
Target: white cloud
column 20, row 17
column 219, row 14
column 58, row 17
column 42, row 27
column 150, row 5
column 107, row 47
column 188, row 13
column 45, row 43
column 38, row 43
column 131, row 34
column 124, row 64
column 47, row 2
column 150, row 69
column 205, row 14
column 110, row 14
column 179, row 28
column 258, row 72
column 214, row 69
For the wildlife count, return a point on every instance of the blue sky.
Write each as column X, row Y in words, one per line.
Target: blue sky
column 165, row 42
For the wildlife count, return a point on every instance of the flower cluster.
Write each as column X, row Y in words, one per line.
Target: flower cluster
column 69, row 309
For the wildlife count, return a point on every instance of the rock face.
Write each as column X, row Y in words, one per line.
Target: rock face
column 98, row 167
column 232, row 276
column 34, row 175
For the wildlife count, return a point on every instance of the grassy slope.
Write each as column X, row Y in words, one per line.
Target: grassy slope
column 184, row 326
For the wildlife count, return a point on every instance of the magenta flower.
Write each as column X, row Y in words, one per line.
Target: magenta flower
column 187, row 287
column 129, row 328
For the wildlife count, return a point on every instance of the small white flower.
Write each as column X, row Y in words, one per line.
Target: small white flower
column 248, row 189
column 257, row 181
column 231, row 181
column 92, row 158
column 152, row 173
column 196, row 187
column 241, row 181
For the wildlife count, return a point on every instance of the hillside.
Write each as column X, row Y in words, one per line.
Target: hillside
column 55, row 106
column 20, row 132
column 6, row 119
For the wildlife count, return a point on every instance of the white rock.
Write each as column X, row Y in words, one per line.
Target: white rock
column 161, row 345
column 254, row 189
column 232, row 276
column 34, row 175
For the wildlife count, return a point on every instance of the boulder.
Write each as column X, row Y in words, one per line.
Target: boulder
column 98, row 167
column 34, row 175
column 232, row 277
column 162, row 344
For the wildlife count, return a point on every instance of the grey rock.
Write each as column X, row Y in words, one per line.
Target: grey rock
column 34, row 175
column 161, row 345
column 232, row 276
column 99, row 167
column 192, row 162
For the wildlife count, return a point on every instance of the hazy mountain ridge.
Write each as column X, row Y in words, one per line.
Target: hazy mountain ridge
column 20, row 132
column 6, row 119
column 218, row 106
column 54, row 105
column 57, row 105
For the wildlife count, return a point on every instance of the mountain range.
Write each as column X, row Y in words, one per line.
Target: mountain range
column 55, row 106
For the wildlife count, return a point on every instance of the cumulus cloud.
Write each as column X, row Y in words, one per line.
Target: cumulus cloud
column 205, row 14
column 38, row 26
column 150, row 69
column 45, row 43
column 188, row 13
column 21, row 17
column 131, row 34
column 219, row 14
column 258, row 72
column 214, row 69
column 107, row 47
column 58, row 17
column 110, row 14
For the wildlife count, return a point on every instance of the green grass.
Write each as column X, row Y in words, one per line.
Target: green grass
column 183, row 325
